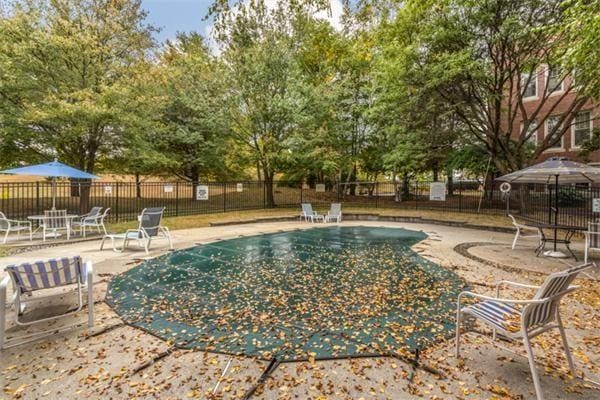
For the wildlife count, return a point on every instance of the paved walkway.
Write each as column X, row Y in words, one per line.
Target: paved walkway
column 113, row 360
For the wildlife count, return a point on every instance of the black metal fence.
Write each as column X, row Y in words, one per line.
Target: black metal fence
column 127, row 199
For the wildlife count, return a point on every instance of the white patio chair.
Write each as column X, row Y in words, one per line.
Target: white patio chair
column 524, row 319
column 309, row 214
column 94, row 219
column 42, row 276
column 592, row 239
column 149, row 229
column 54, row 221
column 520, row 228
column 334, row 213
column 11, row 225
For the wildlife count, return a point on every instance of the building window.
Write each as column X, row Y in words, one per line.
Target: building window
column 529, row 85
column 555, row 82
column 582, row 128
column 551, row 124
column 531, row 134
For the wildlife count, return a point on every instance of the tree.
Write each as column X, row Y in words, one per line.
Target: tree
column 264, row 82
column 481, row 56
column 66, row 73
column 195, row 137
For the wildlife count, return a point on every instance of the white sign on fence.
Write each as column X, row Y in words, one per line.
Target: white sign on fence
column 320, row 187
column 107, row 189
column 437, row 191
column 239, row 187
column 168, row 188
column 201, row 192
column 596, row 205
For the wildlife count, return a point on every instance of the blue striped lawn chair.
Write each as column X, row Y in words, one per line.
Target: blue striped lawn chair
column 28, row 278
column 524, row 319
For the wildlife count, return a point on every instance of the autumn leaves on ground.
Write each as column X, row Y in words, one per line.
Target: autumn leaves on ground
column 118, row 360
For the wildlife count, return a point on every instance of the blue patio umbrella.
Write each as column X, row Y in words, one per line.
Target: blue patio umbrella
column 52, row 170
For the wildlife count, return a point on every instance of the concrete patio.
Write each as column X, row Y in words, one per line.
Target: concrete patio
column 114, row 360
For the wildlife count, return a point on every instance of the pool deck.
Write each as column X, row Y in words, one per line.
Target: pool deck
column 113, row 360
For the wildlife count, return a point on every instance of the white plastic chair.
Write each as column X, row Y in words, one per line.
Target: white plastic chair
column 149, row 229
column 309, row 214
column 334, row 213
column 94, row 219
column 524, row 319
column 520, row 228
column 28, row 278
column 11, row 225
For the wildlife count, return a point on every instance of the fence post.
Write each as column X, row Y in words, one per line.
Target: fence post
column 376, row 194
column 301, row 192
column 37, row 197
column 177, row 199
column 459, row 196
column 224, row 197
column 117, row 201
column 416, row 195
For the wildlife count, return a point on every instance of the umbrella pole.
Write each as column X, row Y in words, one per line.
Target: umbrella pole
column 555, row 209
column 54, row 193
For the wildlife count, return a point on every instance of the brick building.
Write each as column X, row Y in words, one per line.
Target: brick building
column 556, row 104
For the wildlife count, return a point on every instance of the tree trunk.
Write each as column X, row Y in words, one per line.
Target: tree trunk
column 84, row 189
column 138, row 186
column 450, row 174
column 405, row 187
column 269, row 195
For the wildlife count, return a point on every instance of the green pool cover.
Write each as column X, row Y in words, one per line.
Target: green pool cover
column 307, row 294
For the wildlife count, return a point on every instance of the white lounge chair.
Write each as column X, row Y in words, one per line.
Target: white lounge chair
column 524, row 319
column 39, row 276
column 520, row 228
column 11, row 225
column 54, row 221
column 309, row 214
column 592, row 239
column 93, row 219
column 334, row 213
column 149, row 229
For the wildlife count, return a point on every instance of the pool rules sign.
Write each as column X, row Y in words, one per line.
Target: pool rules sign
column 437, row 191
column 201, row 192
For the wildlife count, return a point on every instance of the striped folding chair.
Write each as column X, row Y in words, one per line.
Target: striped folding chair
column 524, row 319
column 592, row 238
column 54, row 221
column 28, row 278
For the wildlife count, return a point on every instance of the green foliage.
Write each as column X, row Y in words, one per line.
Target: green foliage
column 67, row 79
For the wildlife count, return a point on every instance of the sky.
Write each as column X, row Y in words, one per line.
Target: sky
column 173, row 16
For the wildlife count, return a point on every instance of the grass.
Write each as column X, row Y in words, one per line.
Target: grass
column 198, row 221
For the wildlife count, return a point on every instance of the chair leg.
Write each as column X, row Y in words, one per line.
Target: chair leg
column 6, row 236
column 534, row 373
column 563, row 336
column 3, row 294
column 514, row 244
column 585, row 251
column 30, row 234
column 102, row 242
column 90, row 288
column 457, row 340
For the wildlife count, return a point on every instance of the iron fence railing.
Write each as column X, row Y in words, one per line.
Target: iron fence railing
column 127, row 199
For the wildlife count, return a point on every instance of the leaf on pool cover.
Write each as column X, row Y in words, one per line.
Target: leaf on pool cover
column 363, row 296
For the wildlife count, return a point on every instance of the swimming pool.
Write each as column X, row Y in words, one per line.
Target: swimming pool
column 318, row 293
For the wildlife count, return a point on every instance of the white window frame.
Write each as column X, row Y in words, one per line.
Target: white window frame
column 573, row 145
column 534, row 80
column 560, row 90
column 534, row 138
column 562, row 139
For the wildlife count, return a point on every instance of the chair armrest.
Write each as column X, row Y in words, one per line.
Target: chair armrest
column 499, row 299
column 516, row 284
